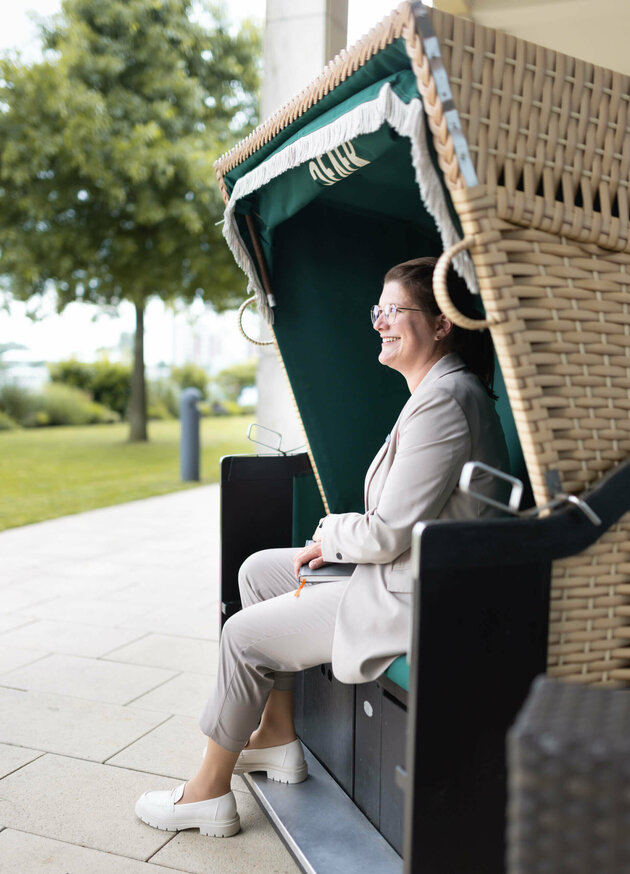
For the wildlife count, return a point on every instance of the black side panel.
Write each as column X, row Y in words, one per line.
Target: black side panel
column 482, row 639
column 327, row 719
column 367, row 751
column 393, row 734
column 256, row 512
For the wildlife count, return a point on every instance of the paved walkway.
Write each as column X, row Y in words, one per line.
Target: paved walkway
column 108, row 646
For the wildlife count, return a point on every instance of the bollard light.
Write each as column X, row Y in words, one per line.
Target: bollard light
column 189, row 417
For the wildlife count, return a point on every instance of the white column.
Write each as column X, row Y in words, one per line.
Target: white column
column 301, row 36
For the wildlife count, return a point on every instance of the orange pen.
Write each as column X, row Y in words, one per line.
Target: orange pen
column 300, row 587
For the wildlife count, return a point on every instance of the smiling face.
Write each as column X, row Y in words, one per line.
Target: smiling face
column 416, row 340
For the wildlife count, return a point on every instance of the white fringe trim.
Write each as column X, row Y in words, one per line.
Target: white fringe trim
column 407, row 119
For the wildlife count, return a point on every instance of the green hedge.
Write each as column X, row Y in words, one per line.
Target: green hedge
column 7, row 423
column 56, row 404
column 108, row 382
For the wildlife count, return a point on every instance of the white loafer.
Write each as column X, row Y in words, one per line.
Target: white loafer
column 216, row 817
column 284, row 763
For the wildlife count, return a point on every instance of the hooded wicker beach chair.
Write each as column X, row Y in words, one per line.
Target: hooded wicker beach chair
column 524, row 154
column 437, row 136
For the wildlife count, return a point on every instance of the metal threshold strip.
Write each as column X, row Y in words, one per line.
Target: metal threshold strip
column 322, row 828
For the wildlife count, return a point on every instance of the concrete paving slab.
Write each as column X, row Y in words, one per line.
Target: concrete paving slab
column 16, row 558
column 159, row 561
column 181, row 620
column 69, row 726
column 14, row 657
column 16, row 572
column 13, row 620
column 81, row 803
column 172, row 575
column 102, row 571
column 13, row 758
column 164, row 651
column 87, row 611
column 185, row 695
column 173, row 749
column 74, row 582
column 170, row 589
column 53, row 582
column 53, row 544
column 69, row 638
column 46, row 856
column 60, row 584
column 20, row 598
column 255, row 850
column 90, row 679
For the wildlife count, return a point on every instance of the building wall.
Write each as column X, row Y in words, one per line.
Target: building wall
column 300, row 39
column 593, row 30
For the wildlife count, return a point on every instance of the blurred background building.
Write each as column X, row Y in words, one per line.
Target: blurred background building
column 289, row 27
column 593, row 30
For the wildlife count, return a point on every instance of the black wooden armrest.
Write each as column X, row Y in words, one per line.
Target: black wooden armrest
column 479, row 639
column 515, row 541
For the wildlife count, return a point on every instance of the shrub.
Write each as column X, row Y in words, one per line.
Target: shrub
column 212, row 408
column 63, row 405
column 17, row 402
column 231, row 408
column 108, row 382
column 111, row 385
column 7, row 423
column 158, row 412
column 73, row 373
column 99, row 414
column 163, row 399
column 191, row 376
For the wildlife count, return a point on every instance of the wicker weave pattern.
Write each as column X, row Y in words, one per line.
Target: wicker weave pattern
column 548, row 132
column 589, row 633
column 562, row 339
column 562, row 334
column 431, row 102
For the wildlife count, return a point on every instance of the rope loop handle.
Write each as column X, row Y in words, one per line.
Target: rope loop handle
column 443, row 298
column 241, row 310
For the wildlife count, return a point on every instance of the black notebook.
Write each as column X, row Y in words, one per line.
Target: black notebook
column 327, row 573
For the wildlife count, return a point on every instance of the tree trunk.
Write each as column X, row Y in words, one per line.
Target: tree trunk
column 138, row 396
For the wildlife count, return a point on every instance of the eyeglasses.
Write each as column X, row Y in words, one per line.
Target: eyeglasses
column 390, row 310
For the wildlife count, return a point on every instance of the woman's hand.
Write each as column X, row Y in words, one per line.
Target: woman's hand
column 311, row 555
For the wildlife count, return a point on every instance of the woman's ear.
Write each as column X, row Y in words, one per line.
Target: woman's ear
column 443, row 327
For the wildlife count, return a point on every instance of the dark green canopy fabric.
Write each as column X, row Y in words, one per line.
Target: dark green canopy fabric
column 377, row 69
column 338, row 197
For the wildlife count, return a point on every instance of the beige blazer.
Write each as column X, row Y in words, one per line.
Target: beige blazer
column 448, row 420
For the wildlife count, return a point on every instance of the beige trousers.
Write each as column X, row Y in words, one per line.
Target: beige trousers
column 274, row 635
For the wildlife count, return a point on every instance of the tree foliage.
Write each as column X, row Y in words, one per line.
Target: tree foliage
column 191, row 376
column 106, row 148
column 232, row 380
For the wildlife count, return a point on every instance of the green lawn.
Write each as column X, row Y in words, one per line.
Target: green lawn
column 50, row 472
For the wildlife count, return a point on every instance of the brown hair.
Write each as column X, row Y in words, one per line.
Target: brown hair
column 473, row 347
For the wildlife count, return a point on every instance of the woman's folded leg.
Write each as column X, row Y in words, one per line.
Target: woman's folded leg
column 261, row 648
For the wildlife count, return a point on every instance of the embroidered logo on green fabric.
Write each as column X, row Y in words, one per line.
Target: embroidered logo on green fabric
column 342, row 162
